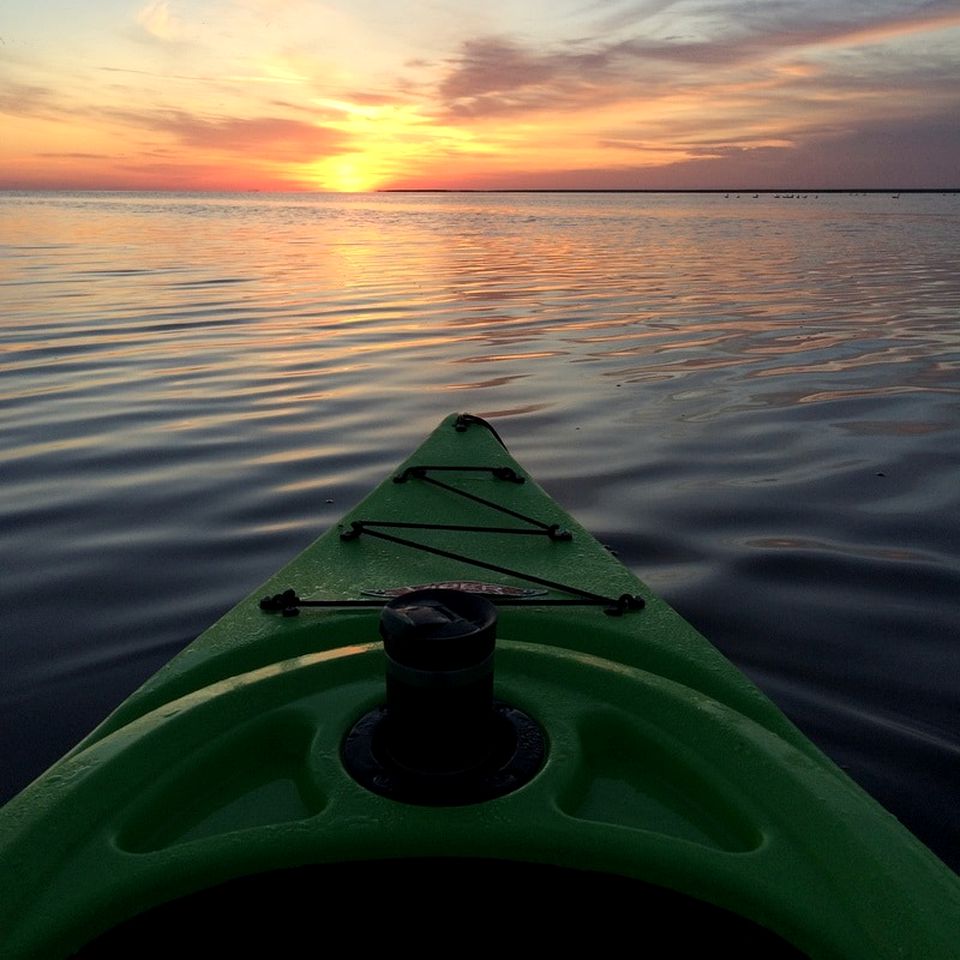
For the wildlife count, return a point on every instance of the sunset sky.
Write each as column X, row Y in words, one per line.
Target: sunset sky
column 369, row 94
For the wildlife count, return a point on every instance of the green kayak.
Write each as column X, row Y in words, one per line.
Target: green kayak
column 344, row 754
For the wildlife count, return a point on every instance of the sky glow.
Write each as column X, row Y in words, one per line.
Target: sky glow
column 572, row 94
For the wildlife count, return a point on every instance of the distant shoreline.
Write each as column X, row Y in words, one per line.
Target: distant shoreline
column 758, row 190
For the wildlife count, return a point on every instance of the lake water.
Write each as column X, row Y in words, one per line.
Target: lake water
column 755, row 401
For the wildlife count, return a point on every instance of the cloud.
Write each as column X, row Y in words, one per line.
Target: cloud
column 29, row 100
column 728, row 147
column 160, row 23
column 173, row 175
column 161, row 75
column 757, row 30
column 493, row 76
column 917, row 152
column 495, row 64
column 496, row 75
column 724, row 63
column 615, row 16
column 372, row 98
column 75, row 156
column 273, row 138
column 180, row 175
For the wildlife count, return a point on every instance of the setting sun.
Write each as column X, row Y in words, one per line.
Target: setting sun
column 353, row 173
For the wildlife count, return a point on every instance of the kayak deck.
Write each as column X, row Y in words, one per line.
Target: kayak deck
column 663, row 763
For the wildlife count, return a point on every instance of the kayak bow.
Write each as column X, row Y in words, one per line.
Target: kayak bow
column 615, row 758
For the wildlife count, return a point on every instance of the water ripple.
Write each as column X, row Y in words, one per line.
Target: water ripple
column 756, row 405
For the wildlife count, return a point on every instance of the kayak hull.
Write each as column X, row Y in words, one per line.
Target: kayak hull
column 663, row 764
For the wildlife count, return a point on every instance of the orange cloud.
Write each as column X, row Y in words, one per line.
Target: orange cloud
column 276, row 138
column 883, row 31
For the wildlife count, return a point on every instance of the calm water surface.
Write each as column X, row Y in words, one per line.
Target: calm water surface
column 756, row 402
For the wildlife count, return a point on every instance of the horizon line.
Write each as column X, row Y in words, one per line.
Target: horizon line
column 379, row 190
